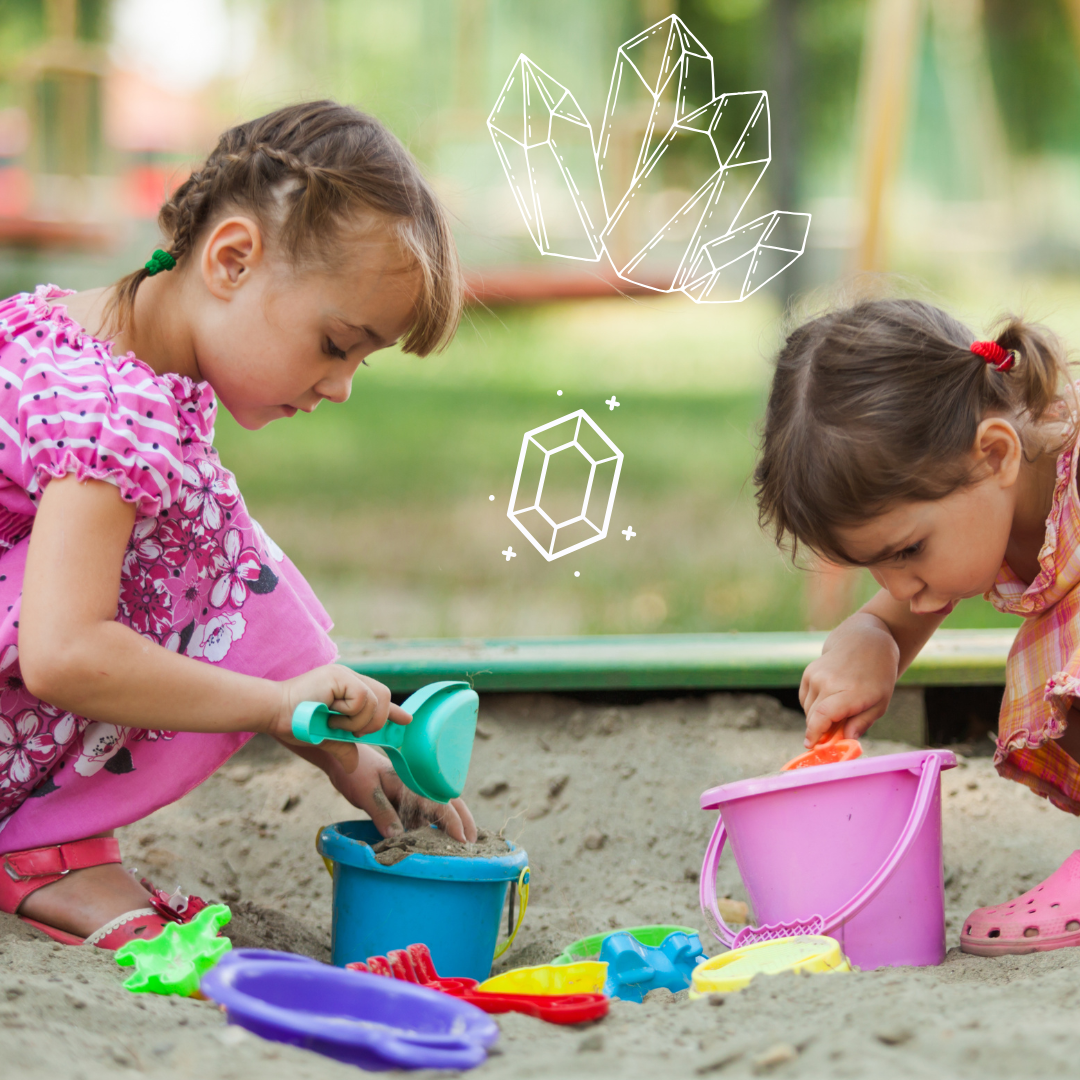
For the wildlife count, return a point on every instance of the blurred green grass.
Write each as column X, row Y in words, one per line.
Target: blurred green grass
column 384, row 502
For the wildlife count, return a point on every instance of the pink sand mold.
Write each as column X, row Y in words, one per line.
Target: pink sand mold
column 858, row 840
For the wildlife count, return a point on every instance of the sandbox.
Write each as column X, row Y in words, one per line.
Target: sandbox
column 605, row 799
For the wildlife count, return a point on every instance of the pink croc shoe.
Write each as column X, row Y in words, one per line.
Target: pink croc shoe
column 1047, row 917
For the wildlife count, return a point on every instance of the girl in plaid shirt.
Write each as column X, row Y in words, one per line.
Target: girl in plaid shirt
column 946, row 466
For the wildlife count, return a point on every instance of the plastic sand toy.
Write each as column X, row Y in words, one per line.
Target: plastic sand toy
column 586, row 977
column 431, row 755
column 588, row 947
column 850, row 850
column 241, row 956
column 634, row 969
column 175, row 960
column 357, row 1018
column 453, row 904
column 732, row 971
column 414, row 965
column 827, row 751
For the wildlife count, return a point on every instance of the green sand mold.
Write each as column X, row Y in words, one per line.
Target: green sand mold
column 588, row 947
column 175, row 960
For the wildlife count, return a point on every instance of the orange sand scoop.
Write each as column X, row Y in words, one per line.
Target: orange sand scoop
column 833, row 748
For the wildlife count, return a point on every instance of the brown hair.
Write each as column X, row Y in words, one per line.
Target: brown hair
column 300, row 171
column 879, row 403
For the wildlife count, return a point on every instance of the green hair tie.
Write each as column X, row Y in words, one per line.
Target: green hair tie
column 160, row 260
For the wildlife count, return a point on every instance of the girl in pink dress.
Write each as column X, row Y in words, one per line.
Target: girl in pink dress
column 947, row 467
column 148, row 625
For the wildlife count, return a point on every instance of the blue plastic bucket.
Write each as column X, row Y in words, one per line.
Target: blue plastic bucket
column 452, row 905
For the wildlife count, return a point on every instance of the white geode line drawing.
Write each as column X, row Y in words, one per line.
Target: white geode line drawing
column 557, row 172
column 545, row 144
column 575, row 457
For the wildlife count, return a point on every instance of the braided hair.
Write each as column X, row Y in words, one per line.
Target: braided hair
column 301, row 171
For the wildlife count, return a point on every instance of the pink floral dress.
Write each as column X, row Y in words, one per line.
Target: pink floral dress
column 199, row 577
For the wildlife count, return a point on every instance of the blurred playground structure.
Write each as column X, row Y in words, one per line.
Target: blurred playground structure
column 909, row 128
column 935, row 138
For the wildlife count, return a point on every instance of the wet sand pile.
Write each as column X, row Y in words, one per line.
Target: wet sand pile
column 429, row 841
column 605, row 801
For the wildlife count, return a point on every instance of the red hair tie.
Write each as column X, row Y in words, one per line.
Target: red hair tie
column 1001, row 359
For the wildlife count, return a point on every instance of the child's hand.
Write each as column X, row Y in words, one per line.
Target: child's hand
column 375, row 788
column 851, row 682
column 364, row 703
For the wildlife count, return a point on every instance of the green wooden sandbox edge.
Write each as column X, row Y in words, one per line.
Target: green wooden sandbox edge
column 656, row 662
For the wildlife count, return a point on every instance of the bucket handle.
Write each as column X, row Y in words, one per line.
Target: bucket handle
column 522, row 885
column 815, row 924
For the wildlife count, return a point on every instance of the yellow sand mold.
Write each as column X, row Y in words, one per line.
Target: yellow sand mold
column 586, row 977
column 733, row 970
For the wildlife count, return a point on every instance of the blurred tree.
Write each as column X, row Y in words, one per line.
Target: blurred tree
column 22, row 25
column 1033, row 51
column 63, row 77
column 805, row 53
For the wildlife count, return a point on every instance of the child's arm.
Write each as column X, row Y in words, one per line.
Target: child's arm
column 74, row 654
column 854, row 678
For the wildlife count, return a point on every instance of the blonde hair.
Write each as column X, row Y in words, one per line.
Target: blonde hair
column 302, row 171
column 879, row 402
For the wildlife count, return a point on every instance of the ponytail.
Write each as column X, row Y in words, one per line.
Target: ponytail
column 1040, row 378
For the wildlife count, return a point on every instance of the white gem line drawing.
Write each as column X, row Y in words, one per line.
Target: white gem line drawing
column 546, row 147
column 566, row 441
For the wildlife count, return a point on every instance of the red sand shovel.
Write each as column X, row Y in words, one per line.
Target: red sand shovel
column 414, row 965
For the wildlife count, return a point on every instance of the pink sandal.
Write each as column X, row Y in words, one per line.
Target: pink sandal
column 25, row 871
column 1047, row 917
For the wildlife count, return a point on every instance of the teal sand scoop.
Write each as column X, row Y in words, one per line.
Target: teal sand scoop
column 431, row 755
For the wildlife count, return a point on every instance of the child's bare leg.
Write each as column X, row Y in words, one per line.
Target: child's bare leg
column 84, row 900
column 1070, row 741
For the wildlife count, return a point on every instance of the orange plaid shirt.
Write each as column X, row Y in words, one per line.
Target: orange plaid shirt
column 1043, row 672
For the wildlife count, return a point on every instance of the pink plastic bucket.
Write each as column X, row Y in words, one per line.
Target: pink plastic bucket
column 851, row 850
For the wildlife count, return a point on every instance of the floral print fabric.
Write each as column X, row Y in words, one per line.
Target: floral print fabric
column 199, row 575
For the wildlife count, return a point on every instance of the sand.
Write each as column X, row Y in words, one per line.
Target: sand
column 604, row 799
column 429, row 841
